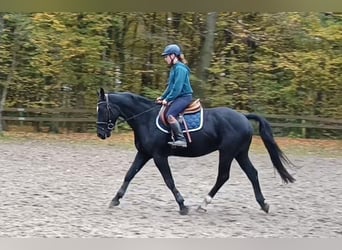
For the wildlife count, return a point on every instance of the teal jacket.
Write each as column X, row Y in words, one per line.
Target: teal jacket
column 178, row 83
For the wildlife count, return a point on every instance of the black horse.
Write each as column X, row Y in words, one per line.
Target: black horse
column 224, row 129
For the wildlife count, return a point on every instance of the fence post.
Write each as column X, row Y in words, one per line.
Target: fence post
column 303, row 129
column 21, row 114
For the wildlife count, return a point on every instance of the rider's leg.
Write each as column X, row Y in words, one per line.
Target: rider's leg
column 177, row 132
column 176, row 107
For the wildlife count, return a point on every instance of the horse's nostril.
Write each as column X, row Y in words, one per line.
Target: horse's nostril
column 101, row 136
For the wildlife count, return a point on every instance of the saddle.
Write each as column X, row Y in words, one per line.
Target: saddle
column 194, row 107
column 191, row 119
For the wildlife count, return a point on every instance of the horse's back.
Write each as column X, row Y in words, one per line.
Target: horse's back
column 227, row 120
column 227, row 114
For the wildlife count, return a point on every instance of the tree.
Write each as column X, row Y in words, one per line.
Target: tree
column 15, row 51
column 284, row 63
column 206, row 51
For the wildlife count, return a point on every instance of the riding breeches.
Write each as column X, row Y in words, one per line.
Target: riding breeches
column 178, row 105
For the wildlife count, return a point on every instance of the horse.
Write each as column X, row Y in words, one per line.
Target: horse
column 224, row 130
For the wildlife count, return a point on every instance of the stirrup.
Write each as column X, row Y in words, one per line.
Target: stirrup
column 178, row 143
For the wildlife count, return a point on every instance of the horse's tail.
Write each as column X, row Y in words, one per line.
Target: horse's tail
column 277, row 156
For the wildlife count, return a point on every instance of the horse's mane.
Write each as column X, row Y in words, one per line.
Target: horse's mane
column 136, row 98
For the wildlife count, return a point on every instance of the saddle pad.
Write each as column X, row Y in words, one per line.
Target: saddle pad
column 194, row 122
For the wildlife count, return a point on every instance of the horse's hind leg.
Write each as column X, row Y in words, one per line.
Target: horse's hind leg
column 138, row 163
column 225, row 160
column 252, row 174
column 164, row 168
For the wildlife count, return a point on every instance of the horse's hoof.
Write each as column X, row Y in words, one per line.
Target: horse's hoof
column 201, row 209
column 265, row 208
column 114, row 203
column 184, row 210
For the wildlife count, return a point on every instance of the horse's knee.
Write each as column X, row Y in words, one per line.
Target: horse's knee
column 252, row 172
column 170, row 184
column 224, row 177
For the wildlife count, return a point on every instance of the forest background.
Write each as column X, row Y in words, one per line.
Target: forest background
column 271, row 63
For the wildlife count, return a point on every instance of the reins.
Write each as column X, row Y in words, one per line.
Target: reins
column 110, row 124
column 137, row 115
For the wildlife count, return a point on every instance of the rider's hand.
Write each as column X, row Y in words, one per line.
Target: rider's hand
column 159, row 100
column 164, row 102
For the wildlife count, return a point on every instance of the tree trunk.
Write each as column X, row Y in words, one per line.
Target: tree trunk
column 2, row 104
column 4, row 89
column 206, row 52
column 9, row 76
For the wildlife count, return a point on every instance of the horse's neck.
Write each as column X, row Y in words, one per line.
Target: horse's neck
column 131, row 107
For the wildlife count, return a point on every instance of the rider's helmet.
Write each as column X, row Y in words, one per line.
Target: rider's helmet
column 172, row 49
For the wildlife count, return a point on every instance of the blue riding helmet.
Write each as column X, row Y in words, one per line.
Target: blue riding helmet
column 172, row 49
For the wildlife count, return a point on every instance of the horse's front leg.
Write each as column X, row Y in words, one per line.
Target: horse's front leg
column 164, row 168
column 139, row 161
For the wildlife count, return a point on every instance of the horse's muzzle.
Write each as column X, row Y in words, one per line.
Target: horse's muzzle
column 103, row 135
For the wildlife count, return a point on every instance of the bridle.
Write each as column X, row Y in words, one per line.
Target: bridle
column 109, row 123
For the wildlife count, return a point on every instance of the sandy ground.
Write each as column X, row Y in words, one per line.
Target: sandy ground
column 60, row 189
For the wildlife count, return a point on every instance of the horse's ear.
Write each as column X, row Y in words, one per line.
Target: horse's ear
column 102, row 94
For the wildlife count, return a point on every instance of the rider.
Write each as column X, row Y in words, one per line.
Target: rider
column 178, row 94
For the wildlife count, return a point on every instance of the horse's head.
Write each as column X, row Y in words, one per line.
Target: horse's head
column 106, row 116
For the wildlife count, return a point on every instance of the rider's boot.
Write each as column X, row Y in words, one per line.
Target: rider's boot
column 178, row 134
